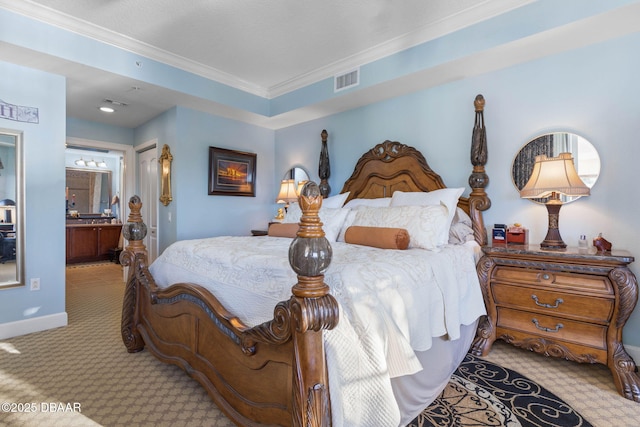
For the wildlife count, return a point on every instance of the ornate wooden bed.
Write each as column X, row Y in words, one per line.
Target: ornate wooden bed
column 275, row 373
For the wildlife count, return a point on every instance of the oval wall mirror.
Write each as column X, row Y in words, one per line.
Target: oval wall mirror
column 297, row 174
column 585, row 159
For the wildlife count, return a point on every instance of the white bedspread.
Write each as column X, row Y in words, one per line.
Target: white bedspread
column 392, row 303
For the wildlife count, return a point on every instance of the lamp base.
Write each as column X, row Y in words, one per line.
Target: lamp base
column 553, row 240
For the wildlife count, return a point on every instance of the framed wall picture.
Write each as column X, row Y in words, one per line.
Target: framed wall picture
column 231, row 172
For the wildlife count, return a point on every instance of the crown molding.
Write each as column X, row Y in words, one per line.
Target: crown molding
column 483, row 10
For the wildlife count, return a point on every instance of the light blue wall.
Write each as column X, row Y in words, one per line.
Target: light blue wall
column 193, row 212
column 44, row 145
column 201, row 215
column 83, row 129
column 162, row 129
column 589, row 91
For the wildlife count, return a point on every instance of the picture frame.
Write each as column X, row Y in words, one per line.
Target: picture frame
column 232, row 172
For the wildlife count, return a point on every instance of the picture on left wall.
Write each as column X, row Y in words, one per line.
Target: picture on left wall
column 231, row 172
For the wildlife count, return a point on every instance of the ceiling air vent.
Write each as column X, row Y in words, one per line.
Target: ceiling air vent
column 346, row 80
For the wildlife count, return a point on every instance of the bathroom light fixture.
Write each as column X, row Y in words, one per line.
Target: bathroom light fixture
column 106, row 109
column 80, row 162
column 92, row 163
column 102, row 164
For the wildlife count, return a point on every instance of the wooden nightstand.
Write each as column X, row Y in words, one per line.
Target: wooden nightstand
column 571, row 304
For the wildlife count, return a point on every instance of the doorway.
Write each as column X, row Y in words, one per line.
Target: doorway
column 148, row 192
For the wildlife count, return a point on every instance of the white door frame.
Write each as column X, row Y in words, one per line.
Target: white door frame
column 145, row 146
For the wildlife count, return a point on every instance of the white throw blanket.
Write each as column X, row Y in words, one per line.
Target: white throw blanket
column 392, row 303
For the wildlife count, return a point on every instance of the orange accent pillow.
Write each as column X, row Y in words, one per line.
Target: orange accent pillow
column 378, row 237
column 284, row 229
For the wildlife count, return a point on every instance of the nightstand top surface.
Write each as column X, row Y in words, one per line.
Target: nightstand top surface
column 570, row 252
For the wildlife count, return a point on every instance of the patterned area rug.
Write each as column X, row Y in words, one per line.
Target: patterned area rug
column 481, row 393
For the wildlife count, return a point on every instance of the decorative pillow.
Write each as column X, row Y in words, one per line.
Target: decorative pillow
column 448, row 196
column 335, row 202
column 424, row 223
column 374, row 203
column 378, row 237
column 354, row 205
column 283, row 230
column 460, row 233
column 463, row 217
column 332, row 219
column 461, row 230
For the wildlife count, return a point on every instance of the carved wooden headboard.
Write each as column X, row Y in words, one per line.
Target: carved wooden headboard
column 392, row 166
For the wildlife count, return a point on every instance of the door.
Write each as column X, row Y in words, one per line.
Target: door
column 148, row 192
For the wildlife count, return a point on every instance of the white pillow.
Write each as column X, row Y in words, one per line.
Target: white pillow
column 460, row 233
column 463, row 217
column 461, row 230
column 332, row 219
column 448, row 196
column 374, row 203
column 424, row 223
column 335, row 202
column 354, row 205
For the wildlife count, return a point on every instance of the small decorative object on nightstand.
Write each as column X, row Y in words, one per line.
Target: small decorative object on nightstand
column 571, row 304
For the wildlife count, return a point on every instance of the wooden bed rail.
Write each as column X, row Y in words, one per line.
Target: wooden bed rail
column 297, row 324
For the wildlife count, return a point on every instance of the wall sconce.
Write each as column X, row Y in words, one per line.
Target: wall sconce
column 551, row 177
column 165, row 182
column 80, row 162
column 102, row 164
column 287, row 192
column 92, row 163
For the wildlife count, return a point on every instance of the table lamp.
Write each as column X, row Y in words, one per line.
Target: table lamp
column 551, row 177
column 287, row 192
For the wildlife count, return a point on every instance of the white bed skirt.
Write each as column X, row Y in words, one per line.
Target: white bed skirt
column 415, row 392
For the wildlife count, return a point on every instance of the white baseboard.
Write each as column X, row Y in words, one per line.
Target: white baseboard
column 35, row 324
column 634, row 352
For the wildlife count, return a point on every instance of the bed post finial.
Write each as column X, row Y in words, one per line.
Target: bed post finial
column 134, row 231
column 478, row 199
column 324, row 168
column 313, row 310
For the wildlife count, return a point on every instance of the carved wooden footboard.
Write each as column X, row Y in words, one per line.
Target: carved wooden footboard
column 275, row 373
column 271, row 374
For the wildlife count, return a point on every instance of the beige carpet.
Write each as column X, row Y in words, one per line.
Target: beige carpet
column 86, row 365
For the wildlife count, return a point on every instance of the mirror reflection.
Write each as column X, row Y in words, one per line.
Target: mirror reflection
column 88, row 191
column 585, row 159
column 11, row 208
column 298, row 175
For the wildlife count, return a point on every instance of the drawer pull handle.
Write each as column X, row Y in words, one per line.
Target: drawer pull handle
column 541, row 304
column 542, row 328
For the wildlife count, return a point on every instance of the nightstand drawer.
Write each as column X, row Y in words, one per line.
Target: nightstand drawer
column 579, row 307
column 557, row 279
column 553, row 328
